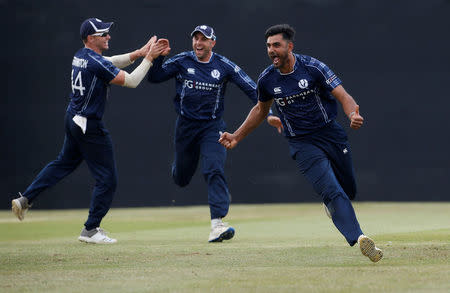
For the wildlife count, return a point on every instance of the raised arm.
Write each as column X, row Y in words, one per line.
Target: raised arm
column 351, row 109
column 123, row 60
column 255, row 117
column 133, row 79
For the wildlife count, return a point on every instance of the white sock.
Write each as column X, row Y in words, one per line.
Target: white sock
column 215, row 222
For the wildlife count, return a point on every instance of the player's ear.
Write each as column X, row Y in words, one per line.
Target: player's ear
column 213, row 43
column 291, row 46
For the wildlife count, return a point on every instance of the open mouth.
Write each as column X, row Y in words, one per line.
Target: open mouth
column 275, row 59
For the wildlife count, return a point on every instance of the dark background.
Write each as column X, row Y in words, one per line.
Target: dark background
column 393, row 57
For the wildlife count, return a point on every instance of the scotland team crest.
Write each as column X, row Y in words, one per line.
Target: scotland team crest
column 215, row 74
column 303, row 83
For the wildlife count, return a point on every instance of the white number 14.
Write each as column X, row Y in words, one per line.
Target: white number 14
column 78, row 84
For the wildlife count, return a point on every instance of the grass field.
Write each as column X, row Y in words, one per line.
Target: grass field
column 277, row 248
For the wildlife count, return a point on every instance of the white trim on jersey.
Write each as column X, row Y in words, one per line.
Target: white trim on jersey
column 216, row 106
column 245, row 78
column 291, row 132
column 322, row 109
column 91, row 89
column 310, row 65
column 182, row 94
column 175, row 58
column 112, row 72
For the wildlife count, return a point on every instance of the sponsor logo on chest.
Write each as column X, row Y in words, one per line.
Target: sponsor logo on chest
column 199, row 85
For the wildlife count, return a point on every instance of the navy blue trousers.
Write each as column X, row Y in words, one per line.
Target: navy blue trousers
column 95, row 147
column 324, row 157
column 195, row 140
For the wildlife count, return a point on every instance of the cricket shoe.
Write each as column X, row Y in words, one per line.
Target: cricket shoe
column 96, row 236
column 20, row 206
column 221, row 232
column 369, row 249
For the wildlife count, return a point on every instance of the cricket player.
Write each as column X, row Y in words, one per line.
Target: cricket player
column 201, row 78
column 86, row 137
column 306, row 92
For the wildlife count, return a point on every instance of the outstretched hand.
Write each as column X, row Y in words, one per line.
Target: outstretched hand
column 158, row 48
column 356, row 120
column 165, row 43
column 275, row 122
column 142, row 52
column 228, row 140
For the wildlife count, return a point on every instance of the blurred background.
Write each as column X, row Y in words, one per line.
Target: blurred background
column 393, row 58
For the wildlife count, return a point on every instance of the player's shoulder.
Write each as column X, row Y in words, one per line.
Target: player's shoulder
column 89, row 59
column 227, row 63
column 223, row 59
column 95, row 58
column 180, row 57
column 309, row 61
column 305, row 60
column 266, row 74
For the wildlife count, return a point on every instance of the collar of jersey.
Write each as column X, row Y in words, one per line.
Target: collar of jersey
column 93, row 51
column 206, row 62
column 295, row 67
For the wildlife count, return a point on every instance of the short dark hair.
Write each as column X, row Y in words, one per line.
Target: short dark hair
column 286, row 30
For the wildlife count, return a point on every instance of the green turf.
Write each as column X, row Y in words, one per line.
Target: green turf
column 277, row 248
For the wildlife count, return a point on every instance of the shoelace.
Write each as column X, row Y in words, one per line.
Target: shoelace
column 223, row 224
column 101, row 231
column 26, row 204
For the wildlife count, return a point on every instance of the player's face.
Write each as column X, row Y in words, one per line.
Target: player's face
column 278, row 50
column 202, row 46
column 102, row 42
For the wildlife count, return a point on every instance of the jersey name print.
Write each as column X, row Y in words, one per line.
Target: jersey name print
column 90, row 77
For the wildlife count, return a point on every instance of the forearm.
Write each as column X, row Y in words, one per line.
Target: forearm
column 255, row 117
column 121, row 61
column 347, row 101
column 349, row 106
column 134, row 78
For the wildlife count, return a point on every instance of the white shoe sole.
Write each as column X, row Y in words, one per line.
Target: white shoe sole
column 90, row 240
column 226, row 235
column 369, row 249
column 17, row 209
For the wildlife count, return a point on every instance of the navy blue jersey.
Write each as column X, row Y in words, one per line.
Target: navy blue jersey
column 303, row 97
column 200, row 86
column 91, row 74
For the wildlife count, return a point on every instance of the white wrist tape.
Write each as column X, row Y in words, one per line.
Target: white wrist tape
column 120, row 61
column 134, row 78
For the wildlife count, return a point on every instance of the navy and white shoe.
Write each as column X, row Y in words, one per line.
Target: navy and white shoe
column 96, row 236
column 221, row 232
